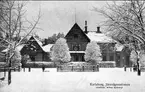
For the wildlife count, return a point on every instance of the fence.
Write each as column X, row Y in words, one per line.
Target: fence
column 107, row 64
column 85, row 68
column 39, row 65
column 4, row 69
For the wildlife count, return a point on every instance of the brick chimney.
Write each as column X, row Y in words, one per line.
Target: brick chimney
column 86, row 31
column 98, row 30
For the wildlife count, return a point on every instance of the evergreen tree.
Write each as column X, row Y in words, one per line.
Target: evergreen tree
column 93, row 53
column 60, row 51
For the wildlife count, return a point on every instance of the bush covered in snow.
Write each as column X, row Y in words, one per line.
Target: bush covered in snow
column 60, row 51
column 93, row 53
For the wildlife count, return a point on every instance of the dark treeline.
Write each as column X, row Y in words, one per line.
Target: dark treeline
column 52, row 39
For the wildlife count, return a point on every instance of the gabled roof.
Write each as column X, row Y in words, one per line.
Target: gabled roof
column 77, row 27
column 92, row 35
column 38, row 41
column 46, row 48
column 18, row 48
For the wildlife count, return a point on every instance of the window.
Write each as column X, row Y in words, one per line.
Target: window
column 32, row 58
column 104, row 58
column 111, row 58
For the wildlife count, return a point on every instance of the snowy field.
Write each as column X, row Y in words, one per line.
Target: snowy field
column 52, row 81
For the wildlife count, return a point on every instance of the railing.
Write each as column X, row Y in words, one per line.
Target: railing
column 85, row 68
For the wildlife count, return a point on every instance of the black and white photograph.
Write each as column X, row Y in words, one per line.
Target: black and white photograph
column 72, row 46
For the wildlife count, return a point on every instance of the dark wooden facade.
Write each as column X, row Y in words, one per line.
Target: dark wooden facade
column 123, row 58
column 35, row 51
column 77, row 41
column 108, row 51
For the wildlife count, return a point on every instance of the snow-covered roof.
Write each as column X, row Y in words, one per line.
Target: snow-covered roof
column 38, row 41
column 119, row 47
column 100, row 37
column 47, row 48
column 18, row 48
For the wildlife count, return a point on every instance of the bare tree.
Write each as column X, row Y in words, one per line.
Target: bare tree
column 14, row 26
column 126, row 22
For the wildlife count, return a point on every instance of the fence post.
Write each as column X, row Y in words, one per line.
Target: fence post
column 93, row 68
column 130, row 68
column 83, row 68
column 9, row 76
column 98, row 67
column 72, row 68
column 138, row 72
column 4, row 71
column 29, row 69
column 124, row 67
column 19, row 68
column 43, row 68
column 24, row 69
column 61, row 68
column 57, row 68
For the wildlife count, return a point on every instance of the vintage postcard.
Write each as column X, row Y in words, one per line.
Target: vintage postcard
column 72, row 46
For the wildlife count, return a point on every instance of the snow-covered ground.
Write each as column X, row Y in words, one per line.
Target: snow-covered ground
column 52, row 81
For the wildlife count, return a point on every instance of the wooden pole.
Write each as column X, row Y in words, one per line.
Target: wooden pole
column 83, row 68
column 9, row 77
column 29, row 69
column 124, row 67
column 24, row 69
column 98, row 67
column 130, row 68
column 72, row 68
column 138, row 69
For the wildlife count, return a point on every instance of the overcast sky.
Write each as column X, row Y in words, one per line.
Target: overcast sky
column 59, row 16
